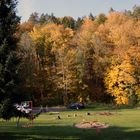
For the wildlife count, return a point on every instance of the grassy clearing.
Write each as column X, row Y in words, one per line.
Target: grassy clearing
column 124, row 125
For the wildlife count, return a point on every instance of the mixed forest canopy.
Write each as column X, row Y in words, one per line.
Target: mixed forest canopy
column 93, row 59
column 58, row 61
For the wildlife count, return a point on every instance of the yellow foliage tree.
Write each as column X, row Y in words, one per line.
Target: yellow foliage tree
column 121, row 81
column 55, row 54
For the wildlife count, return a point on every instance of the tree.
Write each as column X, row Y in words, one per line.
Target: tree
column 28, row 67
column 111, row 10
column 136, row 12
column 122, row 76
column 122, row 81
column 34, row 18
column 91, row 17
column 68, row 22
column 65, row 59
column 52, row 44
column 9, row 61
column 70, row 59
column 122, row 30
column 101, row 18
column 78, row 22
column 84, row 40
column 44, row 38
column 53, row 19
column 25, row 27
column 43, row 18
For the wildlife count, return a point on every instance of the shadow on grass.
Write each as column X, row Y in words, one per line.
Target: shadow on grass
column 71, row 133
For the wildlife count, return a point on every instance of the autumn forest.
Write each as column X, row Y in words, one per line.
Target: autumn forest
column 54, row 61
column 91, row 59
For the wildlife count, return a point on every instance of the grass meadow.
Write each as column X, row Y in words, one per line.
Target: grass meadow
column 124, row 124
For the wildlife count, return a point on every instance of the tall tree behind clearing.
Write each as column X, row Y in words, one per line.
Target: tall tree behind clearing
column 9, row 62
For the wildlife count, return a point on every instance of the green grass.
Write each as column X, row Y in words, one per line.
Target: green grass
column 124, row 125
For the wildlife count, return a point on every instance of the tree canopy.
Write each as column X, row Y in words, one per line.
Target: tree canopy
column 65, row 60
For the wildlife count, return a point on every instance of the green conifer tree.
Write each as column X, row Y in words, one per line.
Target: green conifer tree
column 9, row 61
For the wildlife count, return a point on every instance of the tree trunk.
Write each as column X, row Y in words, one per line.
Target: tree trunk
column 18, row 121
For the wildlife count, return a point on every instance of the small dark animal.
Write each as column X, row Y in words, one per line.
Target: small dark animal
column 88, row 113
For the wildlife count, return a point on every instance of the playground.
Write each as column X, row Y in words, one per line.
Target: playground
column 91, row 123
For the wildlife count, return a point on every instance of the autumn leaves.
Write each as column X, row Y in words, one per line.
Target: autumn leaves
column 96, row 60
